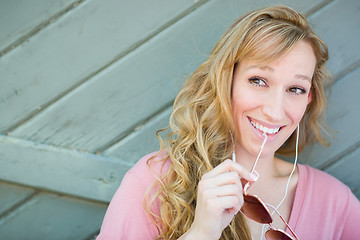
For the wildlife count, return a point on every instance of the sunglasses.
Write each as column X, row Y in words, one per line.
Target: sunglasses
column 255, row 209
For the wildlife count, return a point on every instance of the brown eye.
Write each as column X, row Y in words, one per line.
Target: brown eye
column 257, row 81
column 297, row 90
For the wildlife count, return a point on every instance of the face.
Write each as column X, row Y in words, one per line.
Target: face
column 271, row 99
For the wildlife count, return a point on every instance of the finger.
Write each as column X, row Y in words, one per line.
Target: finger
column 229, row 166
column 228, row 190
column 221, row 191
column 215, row 195
column 221, row 179
column 233, row 211
column 220, row 204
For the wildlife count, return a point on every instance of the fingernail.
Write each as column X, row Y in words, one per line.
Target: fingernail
column 254, row 175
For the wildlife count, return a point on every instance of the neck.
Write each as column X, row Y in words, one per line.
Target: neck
column 266, row 165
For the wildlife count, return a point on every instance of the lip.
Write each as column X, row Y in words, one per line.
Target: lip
column 260, row 133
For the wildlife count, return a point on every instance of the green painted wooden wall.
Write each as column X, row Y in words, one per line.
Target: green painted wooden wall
column 84, row 84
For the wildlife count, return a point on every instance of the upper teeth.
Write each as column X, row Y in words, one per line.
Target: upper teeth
column 265, row 129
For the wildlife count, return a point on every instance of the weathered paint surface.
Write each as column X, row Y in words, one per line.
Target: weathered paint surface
column 51, row 216
column 67, row 171
column 85, row 84
column 79, row 44
column 14, row 29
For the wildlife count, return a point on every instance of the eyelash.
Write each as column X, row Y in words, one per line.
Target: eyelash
column 302, row 91
column 254, row 79
column 292, row 90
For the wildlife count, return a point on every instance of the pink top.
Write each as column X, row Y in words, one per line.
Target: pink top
column 324, row 208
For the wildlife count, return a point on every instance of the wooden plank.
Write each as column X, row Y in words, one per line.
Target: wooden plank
column 77, row 45
column 11, row 195
column 111, row 103
column 343, row 117
column 338, row 26
column 357, row 192
column 347, row 170
column 61, row 170
column 142, row 140
column 21, row 17
column 50, row 216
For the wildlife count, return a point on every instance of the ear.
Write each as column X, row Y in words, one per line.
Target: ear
column 309, row 97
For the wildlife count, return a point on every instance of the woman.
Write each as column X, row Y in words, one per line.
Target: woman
column 259, row 94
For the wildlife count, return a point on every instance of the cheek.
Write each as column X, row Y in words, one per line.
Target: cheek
column 243, row 101
column 296, row 111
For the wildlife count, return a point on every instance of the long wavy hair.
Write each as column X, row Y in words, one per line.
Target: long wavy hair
column 201, row 120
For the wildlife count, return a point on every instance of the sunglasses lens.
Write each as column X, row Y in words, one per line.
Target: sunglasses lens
column 276, row 235
column 255, row 210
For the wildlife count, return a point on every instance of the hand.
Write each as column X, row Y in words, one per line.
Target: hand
column 219, row 199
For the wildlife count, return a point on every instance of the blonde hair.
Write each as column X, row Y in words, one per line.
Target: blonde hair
column 202, row 114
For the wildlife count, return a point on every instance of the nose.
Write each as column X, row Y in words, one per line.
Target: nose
column 274, row 106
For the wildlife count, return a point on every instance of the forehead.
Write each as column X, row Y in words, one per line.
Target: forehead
column 299, row 61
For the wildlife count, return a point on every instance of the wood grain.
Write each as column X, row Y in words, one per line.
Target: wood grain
column 103, row 109
column 51, row 216
column 342, row 116
column 13, row 29
column 11, row 195
column 76, row 46
column 61, row 170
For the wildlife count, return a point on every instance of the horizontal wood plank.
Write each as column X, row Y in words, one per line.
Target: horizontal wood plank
column 116, row 105
column 342, row 116
column 334, row 22
column 347, row 170
column 61, row 170
column 76, row 46
column 131, row 90
column 15, row 28
column 50, row 216
column 142, row 140
column 11, row 195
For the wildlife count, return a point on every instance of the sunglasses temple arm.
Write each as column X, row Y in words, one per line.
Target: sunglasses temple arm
column 287, row 225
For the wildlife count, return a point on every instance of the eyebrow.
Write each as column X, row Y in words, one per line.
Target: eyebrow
column 304, row 77
column 270, row 69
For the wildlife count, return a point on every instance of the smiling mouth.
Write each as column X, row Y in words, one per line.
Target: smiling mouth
column 265, row 129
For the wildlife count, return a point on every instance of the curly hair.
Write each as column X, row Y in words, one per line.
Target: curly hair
column 202, row 119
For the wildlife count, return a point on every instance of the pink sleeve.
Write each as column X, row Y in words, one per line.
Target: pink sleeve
column 126, row 217
column 351, row 226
